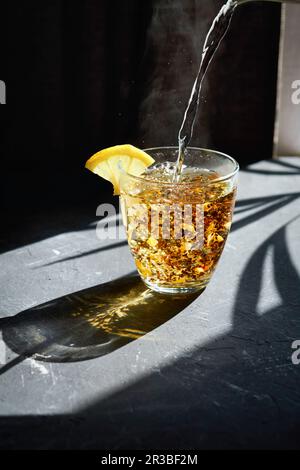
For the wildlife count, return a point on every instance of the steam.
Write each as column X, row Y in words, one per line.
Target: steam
column 174, row 45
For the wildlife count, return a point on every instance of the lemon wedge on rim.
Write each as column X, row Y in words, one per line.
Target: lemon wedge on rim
column 110, row 162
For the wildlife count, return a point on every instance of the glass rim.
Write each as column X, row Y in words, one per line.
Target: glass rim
column 187, row 183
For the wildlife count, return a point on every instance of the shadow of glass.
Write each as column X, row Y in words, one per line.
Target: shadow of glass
column 92, row 322
column 238, row 390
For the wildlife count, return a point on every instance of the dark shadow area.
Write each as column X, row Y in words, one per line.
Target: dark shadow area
column 23, row 226
column 237, row 391
column 89, row 323
column 87, row 89
column 84, row 89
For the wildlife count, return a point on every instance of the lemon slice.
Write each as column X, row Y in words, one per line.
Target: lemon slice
column 110, row 162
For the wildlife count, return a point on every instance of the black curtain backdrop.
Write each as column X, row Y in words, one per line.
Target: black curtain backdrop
column 84, row 75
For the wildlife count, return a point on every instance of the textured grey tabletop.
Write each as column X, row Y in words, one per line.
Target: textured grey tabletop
column 213, row 371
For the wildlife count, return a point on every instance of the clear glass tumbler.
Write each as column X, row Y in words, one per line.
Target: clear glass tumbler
column 177, row 230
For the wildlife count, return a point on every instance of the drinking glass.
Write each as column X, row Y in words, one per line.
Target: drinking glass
column 177, row 230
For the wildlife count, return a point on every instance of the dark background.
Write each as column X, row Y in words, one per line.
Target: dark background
column 83, row 75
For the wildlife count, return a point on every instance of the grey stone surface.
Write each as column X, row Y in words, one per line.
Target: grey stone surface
column 213, row 371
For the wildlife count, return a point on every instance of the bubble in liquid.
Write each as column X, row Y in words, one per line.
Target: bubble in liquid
column 164, row 172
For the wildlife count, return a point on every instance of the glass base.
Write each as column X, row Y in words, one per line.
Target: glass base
column 175, row 290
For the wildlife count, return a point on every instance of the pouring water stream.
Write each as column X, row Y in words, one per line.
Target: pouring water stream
column 213, row 39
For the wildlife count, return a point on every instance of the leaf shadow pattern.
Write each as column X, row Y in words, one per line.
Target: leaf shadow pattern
column 245, row 205
column 291, row 170
column 281, row 320
column 37, row 227
column 239, row 390
column 277, row 202
column 99, row 320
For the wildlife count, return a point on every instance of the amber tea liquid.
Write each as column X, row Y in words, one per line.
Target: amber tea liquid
column 169, row 249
